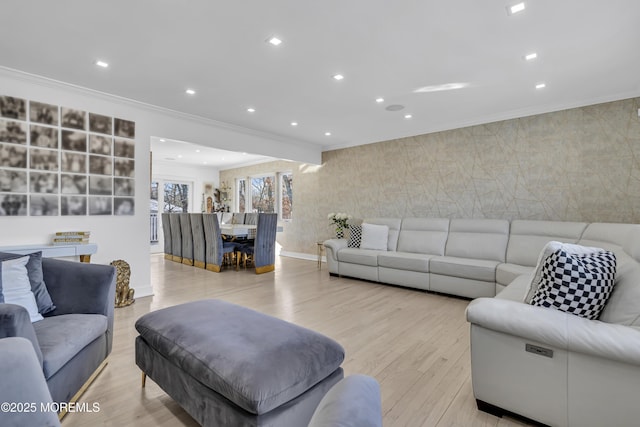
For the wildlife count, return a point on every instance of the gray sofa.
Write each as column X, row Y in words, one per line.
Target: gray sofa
column 28, row 393
column 73, row 340
column 465, row 257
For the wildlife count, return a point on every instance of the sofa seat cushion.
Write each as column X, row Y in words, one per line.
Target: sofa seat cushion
column 517, row 289
column 466, row 268
column 506, row 273
column 359, row 256
column 257, row 361
column 62, row 337
column 405, row 261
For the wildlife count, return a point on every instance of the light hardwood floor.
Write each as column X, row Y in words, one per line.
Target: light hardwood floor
column 414, row 343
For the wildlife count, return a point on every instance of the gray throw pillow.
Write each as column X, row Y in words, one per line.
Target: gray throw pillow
column 36, row 279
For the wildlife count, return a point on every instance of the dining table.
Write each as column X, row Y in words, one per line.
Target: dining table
column 235, row 231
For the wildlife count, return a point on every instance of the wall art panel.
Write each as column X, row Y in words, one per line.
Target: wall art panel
column 61, row 160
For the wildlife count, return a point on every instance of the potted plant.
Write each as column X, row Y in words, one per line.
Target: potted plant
column 340, row 221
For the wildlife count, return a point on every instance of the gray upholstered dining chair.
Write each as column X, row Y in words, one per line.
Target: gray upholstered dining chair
column 263, row 249
column 237, row 218
column 251, row 218
column 176, row 237
column 187, row 239
column 225, row 218
column 166, row 230
column 216, row 248
column 199, row 244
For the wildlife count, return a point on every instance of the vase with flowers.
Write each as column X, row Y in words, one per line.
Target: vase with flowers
column 340, row 221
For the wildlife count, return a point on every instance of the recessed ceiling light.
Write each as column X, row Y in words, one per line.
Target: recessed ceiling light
column 190, row 92
column 197, row 151
column 274, row 40
column 338, row 76
column 541, row 85
column 327, row 134
column 102, row 64
column 251, row 110
column 162, row 140
column 294, row 123
column 179, row 156
column 379, row 100
column 531, row 56
column 244, row 153
column 204, row 163
column 407, row 116
column 515, row 8
column 438, row 88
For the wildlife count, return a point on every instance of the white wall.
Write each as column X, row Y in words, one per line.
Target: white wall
column 127, row 237
column 193, row 174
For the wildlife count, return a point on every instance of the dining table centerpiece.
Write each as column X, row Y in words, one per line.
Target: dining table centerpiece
column 340, row 221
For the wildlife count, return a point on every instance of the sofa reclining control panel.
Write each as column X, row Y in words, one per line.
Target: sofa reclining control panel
column 546, row 352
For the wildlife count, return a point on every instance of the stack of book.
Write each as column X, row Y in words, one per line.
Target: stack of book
column 71, row 238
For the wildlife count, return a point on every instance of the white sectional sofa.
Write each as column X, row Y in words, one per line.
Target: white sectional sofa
column 547, row 365
column 465, row 257
column 557, row 368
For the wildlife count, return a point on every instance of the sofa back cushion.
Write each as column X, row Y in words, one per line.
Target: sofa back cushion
column 394, row 229
column 609, row 236
column 527, row 238
column 423, row 235
column 478, row 238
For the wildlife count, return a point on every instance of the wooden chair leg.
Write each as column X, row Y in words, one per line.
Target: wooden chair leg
column 144, row 379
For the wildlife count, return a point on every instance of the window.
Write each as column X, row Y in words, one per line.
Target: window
column 242, row 191
column 176, row 197
column 270, row 193
column 154, row 197
column 286, row 196
column 263, row 194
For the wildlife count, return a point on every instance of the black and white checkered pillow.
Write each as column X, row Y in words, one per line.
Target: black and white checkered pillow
column 576, row 283
column 355, row 236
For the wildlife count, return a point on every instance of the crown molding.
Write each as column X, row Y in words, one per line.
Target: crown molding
column 80, row 90
column 507, row 115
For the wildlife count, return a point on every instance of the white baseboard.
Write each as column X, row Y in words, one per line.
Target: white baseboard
column 302, row 255
column 144, row 291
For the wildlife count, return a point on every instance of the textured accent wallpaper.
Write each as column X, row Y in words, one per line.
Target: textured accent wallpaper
column 581, row 164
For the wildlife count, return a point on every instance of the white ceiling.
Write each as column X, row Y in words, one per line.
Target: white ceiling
column 587, row 53
column 172, row 151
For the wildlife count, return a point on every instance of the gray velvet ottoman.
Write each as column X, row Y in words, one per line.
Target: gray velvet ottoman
column 227, row 365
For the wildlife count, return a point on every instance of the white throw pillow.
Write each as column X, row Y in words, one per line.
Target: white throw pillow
column 549, row 249
column 15, row 287
column 374, row 237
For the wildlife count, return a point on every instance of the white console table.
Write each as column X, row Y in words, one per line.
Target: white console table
column 84, row 251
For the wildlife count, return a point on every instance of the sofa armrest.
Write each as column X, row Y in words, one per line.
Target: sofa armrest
column 557, row 329
column 333, row 246
column 15, row 322
column 23, row 383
